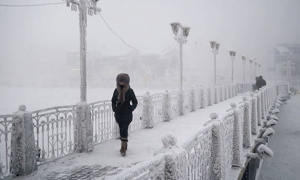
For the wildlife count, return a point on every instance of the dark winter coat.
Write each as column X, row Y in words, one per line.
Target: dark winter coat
column 123, row 112
column 260, row 82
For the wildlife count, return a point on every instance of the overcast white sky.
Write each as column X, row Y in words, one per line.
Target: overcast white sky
column 251, row 28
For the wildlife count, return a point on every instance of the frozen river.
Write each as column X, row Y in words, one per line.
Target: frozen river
column 36, row 98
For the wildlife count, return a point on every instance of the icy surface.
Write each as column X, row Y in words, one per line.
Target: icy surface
column 285, row 145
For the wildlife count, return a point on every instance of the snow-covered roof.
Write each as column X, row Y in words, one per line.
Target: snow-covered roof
column 283, row 50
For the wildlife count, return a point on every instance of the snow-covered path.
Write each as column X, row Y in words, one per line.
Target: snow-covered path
column 284, row 165
column 142, row 144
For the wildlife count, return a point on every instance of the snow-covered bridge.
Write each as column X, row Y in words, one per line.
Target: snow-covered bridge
column 210, row 141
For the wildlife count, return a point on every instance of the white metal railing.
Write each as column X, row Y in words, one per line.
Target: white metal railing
column 54, row 127
column 198, row 149
column 5, row 140
column 53, row 130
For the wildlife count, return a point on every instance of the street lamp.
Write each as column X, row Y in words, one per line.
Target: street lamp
column 258, row 69
column 215, row 47
column 181, row 33
column 244, row 63
column 85, row 7
column 255, row 65
column 232, row 55
column 251, row 61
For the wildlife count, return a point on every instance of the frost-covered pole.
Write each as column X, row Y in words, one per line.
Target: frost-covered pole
column 237, row 142
column 181, row 33
column 244, row 67
column 254, row 114
column 255, row 65
column 215, row 47
column 85, row 7
column 218, row 171
column 148, row 116
column 82, row 28
column 251, row 71
column 83, row 128
column 232, row 55
column 247, row 123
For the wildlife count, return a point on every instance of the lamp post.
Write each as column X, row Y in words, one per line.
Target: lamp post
column 258, row 69
column 251, row 71
column 244, row 64
column 85, row 7
column 181, row 33
column 255, row 65
column 215, row 47
column 232, row 55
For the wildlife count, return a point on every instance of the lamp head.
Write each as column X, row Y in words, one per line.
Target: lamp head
column 212, row 44
column 243, row 58
column 175, row 27
column 232, row 53
column 186, row 31
column 217, row 46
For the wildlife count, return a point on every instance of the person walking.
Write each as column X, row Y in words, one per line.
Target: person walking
column 260, row 82
column 123, row 104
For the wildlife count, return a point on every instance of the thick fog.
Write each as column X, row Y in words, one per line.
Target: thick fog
column 35, row 41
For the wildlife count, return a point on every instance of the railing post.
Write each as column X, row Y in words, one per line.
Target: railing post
column 263, row 105
column 254, row 114
column 237, row 142
column 258, row 107
column 23, row 151
column 218, row 169
column 209, row 97
column 180, row 103
column 221, row 94
column 246, row 124
column 83, row 128
column 202, row 98
column 148, row 113
column 166, row 107
column 176, row 158
column 226, row 92
column 192, row 100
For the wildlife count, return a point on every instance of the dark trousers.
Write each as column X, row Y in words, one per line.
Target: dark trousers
column 123, row 122
column 123, row 129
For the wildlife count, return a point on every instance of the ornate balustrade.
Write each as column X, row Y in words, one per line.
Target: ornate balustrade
column 5, row 140
column 53, row 130
column 218, row 146
column 54, row 127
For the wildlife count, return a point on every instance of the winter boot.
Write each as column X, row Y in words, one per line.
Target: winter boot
column 123, row 146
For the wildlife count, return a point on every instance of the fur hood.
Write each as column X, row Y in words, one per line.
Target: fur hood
column 122, row 91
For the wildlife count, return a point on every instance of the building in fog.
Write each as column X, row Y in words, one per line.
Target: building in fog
column 148, row 69
column 284, row 52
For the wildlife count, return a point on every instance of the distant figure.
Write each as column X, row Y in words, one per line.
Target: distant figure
column 123, row 104
column 260, row 82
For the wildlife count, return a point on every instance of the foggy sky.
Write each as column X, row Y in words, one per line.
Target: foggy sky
column 31, row 36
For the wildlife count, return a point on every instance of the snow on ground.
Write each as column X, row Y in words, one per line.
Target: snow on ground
column 141, row 146
column 285, row 164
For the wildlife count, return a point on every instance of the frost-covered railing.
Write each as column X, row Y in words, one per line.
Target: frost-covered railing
column 217, row 147
column 104, row 126
column 5, row 136
column 157, row 101
column 199, row 151
column 53, row 130
column 54, row 127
